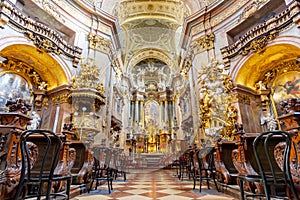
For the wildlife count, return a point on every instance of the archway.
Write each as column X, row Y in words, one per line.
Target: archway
column 46, row 66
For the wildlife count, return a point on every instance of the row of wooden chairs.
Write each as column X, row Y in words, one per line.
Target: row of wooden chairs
column 271, row 151
column 108, row 166
column 41, row 178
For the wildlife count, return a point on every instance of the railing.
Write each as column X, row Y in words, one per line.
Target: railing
column 258, row 37
column 42, row 36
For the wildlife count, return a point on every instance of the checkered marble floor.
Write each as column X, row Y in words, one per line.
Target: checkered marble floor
column 160, row 184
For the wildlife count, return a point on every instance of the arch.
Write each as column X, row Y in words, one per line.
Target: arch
column 149, row 53
column 52, row 69
column 251, row 69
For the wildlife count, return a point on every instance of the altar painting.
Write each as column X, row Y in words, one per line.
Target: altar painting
column 286, row 86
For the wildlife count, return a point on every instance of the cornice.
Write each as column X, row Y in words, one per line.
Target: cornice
column 212, row 10
column 104, row 18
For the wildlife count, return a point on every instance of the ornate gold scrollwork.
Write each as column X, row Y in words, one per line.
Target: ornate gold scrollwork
column 89, row 78
column 267, row 80
column 25, row 71
column 99, row 43
column 203, row 43
column 257, row 45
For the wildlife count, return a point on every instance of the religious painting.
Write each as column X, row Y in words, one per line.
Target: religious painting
column 286, row 86
column 13, row 86
column 151, row 114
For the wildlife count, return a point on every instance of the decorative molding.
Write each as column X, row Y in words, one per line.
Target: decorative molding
column 203, row 43
column 25, row 71
column 100, row 43
column 268, row 78
column 172, row 10
column 251, row 9
column 50, row 8
column 63, row 98
column 45, row 38
column 257, row 38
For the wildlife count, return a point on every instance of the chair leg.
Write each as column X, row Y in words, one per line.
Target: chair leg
column 194, row 177
column 19, row 191
column 200, row 180
column 68, row 188
column 108, row 184
column 214, row 178
column 207, row 179
column 241, row 183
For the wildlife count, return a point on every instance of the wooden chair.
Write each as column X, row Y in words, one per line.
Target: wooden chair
column 205, row 169
column 272, row 153
column 101, row 170
column 40, row 176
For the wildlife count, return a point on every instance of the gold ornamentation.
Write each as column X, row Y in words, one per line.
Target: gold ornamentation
column 44, row 37
column 99, row 43
column 256, row 39
column 257, row 45
column 24, row 70
column 63, row 98
column 43, row 43
column 228, row 84
column 231, row 119
column 269, row 76
column 89, row 78
column 203, row 43
column 205, row 104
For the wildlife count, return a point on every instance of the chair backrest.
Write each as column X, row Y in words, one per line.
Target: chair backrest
column 49, row 145
column 205, row 158
column 265, row 145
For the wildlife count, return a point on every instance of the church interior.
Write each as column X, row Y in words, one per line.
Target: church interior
column 149, row 99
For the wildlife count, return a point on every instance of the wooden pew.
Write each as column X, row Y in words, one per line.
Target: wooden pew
column 12, row 123
column 244, row 160
column 225, row 170
column 290, row 122
column 11, row 126
column 83, row 166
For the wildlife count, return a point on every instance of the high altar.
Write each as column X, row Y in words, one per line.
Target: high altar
column 152, row 134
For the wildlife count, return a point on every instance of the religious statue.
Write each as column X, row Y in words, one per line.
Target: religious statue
column 35, row 122
column 270, row 121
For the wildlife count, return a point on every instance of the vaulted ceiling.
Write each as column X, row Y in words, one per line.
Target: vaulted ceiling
column 151, row 29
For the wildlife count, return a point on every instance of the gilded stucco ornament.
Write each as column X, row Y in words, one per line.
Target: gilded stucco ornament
column 87, row 90
column 203, row 43
column 217, row 115
column 231, row 120
column 89, row 78
column 99, row 43
column 25, row 71
column 215, row 86
column 44, row 37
